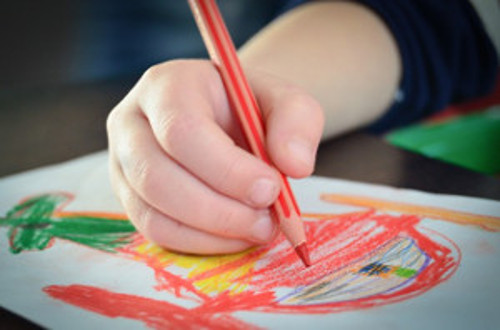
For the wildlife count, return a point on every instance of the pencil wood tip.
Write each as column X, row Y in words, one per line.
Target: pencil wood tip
column 303, row 253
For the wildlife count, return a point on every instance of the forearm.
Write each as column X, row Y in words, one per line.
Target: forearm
column 340, row 52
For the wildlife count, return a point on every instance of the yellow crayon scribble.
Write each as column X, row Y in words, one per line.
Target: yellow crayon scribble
column 210, row 274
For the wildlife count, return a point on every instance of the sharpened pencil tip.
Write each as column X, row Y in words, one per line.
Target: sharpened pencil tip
column 303, row 253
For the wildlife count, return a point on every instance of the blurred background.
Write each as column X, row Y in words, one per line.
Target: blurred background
column 63, row 41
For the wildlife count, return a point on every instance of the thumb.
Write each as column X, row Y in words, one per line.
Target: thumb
column 294, row 124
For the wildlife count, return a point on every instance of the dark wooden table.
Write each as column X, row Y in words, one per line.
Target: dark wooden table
column 46, row 126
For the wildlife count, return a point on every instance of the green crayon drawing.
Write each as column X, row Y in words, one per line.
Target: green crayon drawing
column 34, row 223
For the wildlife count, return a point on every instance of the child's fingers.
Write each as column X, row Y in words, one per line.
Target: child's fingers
column 208, row 153
column 165, row 231
column 174, row 192
column 184, row 123
column 294, row 124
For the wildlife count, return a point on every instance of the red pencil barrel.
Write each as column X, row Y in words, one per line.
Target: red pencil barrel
column 223, row 54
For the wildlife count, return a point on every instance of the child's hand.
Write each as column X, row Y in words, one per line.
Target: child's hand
column 180, row 167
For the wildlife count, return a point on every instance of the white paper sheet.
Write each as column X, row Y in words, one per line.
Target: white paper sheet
column 383, row 258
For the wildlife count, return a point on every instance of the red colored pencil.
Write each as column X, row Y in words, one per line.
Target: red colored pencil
column 223, row 54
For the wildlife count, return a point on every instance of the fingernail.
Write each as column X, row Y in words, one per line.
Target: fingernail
column 302, row 151
column 263, row 228
column 263, row 192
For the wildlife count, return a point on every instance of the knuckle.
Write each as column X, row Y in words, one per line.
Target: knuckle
column 175, row 128
column 159, row 228
column 138, row 213
column 112, row 118
column 305, row 101
column 154, row 73
column 231, row 221
column 316, row 111
column 306, row 106
column 143, row 175
column 124, row 196
column 224, row 221
column 313, row 109
column 297, row 95
column 207, row 216
column 145, row 221
column 160, row 71
column 228, row 174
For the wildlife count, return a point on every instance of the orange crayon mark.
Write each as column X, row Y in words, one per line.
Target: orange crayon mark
column 490, row 223
column 104, row 215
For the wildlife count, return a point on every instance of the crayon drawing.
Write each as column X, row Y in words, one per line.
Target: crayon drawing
column 379, row 253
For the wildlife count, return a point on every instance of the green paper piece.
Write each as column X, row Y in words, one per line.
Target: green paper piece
column 471, row 141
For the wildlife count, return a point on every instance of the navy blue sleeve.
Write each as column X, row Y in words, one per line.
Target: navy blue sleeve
column 446, row 55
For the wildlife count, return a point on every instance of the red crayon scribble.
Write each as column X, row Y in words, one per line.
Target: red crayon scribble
column 154, row 313
column 339, row 241
column 166, row 281
column 360, row 260
column 335, row 236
